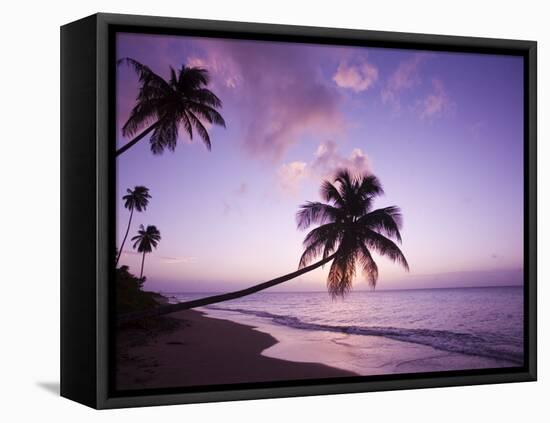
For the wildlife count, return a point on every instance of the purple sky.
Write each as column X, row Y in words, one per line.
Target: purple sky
column 442, row 131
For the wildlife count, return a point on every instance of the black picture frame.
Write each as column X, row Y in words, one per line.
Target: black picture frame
column 87, row 210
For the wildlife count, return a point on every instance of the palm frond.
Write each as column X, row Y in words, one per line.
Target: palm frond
column 206, row 97
column 164, row 136
column 203, row 133
column 368, row 265
column 387, row 221
column 342, row 271
column 153, row 89
column 145, row 74
column 192, row 78
column 315, row 212
column 330, row 193
column 206, row 112
column 184, row 119
column 320, row 240
column 369, row 186
column 173, row 77
column 384, row 247
column 143, row 114
column 346, row 182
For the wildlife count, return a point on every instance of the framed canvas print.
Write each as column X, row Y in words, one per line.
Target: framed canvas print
column 255, row 211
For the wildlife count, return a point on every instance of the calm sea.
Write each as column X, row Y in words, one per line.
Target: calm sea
column 483, row 322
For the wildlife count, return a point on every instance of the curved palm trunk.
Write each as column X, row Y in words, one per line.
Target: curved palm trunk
column 137, row 138
column 142, row 262
column 125, row 236
column 171, row 308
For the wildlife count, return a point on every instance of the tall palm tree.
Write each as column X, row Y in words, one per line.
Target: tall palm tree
column 138, row 199
column 349, row 231
column 162, row 106
column 146, row 239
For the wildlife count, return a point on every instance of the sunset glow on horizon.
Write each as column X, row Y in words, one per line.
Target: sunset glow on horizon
column 442, row 131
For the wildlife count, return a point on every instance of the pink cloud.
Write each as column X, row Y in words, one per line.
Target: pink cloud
column 328, row 160
column 436, row 102
column 227, row 75
column 278, row 89
column 403, row 78
column 357, row 78
column 290, row 176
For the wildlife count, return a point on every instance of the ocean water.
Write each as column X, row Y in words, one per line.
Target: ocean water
column 486, row 323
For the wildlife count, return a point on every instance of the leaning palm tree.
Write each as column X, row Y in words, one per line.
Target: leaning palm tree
column 145, row 241
column 138, row 199
column 349, row 232
column 162, row 106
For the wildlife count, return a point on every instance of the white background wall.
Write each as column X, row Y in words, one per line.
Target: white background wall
column 29, row 168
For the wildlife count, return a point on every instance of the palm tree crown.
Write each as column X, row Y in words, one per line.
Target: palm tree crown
column 349, row 230
column 146, row 239
column 137, row 199
column 165, row 105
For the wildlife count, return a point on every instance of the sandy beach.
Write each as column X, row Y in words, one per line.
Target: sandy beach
column 212, row 346
column 192, row 350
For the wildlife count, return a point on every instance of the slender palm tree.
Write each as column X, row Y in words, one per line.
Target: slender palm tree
column 146, row 239
column 162, row 106
column 349, row 230
column 138, row 199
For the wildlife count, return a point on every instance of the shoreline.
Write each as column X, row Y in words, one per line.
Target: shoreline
column 191, row 349
column 364, row 355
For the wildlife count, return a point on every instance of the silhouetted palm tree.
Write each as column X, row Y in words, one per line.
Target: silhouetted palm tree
column 349, row 230
column 138, row 199
column 145, row 241
column 163, row 106
column 347, row 233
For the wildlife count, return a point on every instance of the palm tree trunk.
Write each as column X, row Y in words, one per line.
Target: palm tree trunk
column 137, row 138
column 125, row 236
column 171, row 308
column 142, row 261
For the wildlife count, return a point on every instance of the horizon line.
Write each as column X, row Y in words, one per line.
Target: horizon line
column 356, row 290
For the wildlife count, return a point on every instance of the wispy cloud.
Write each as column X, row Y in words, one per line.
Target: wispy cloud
column 178, row 260
column 326, row 161
column 290, row 176
column 356, row 77
column 232, row 204
column 281, row 93
column 403, row 78
column 165, row 259
column 436, row 102
column 228, row 75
